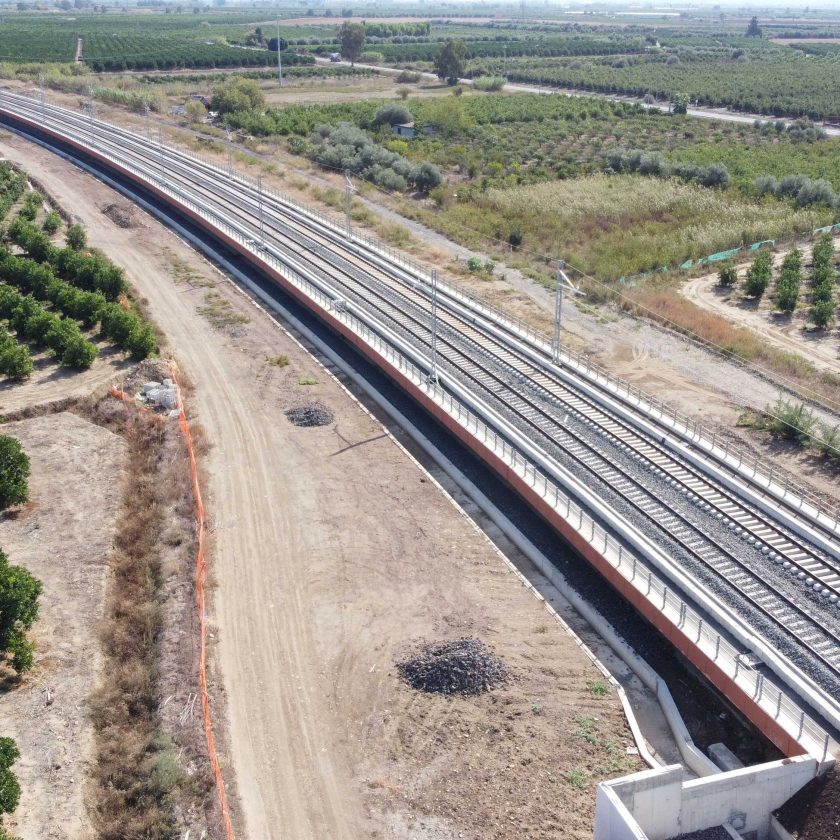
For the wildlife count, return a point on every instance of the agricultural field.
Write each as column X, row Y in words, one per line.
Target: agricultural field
column 491, row 149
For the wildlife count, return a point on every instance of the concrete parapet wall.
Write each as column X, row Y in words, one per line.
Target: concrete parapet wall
column 661, row 804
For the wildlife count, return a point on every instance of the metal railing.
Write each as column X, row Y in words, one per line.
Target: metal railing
column 764, row 693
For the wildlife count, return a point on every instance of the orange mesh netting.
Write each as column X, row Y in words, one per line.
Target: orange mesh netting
column 200, row 571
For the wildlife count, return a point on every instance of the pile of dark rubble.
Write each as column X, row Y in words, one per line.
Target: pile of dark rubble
column 310, row 415
column 460, row 666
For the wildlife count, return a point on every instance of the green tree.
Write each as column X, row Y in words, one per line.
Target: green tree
column 679, row 104
column 237, row 94
column 9, row 787
column 450, row 61
column 790, row 281
column 142, row 342
column 822, row 313
column 753, row 30
column 19, row 593
column 351, row 36
column 16, row 361
column 14, row 474
column 728, row 275
column 52, row 222
column 78, row 353
column 759, row 274
column 76, row 237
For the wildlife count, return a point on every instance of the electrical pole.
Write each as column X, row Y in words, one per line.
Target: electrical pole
column 349, row 189
column 279, row 61
column 41, row 84
column 160, row 157
column 260, row 200
column 90, row 111
column 433, row 376
column 561, row 283
column 230, row 152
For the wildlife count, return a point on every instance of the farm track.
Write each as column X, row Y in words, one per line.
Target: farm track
column 784, row 577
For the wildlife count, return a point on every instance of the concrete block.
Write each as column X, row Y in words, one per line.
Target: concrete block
column 724, row 757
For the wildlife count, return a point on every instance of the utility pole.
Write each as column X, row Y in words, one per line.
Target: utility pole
column 160, row 157
column 260, row 202
column 90, row 111
column 41, row 84
column 349, row 189
column 433, row 375
column 561, row 282
column 279, row 61
column 148, row 127
column 230, row 152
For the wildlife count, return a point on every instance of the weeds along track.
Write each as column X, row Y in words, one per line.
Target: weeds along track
column 784, row 580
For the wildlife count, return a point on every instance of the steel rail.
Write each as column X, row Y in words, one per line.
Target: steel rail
column 172, row 173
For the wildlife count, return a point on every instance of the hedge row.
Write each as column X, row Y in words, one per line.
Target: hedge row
column 122, row 327
column 34, row 322
column 84, row 270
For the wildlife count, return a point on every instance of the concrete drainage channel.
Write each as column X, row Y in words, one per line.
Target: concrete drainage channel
column 433, row 442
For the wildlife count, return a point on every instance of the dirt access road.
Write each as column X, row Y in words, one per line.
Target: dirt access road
column 333, row 554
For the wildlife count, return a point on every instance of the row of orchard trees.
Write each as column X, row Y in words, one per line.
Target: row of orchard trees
column 49, row 292
column 823, row 280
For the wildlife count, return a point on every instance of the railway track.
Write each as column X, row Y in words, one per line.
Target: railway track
column 791, row 581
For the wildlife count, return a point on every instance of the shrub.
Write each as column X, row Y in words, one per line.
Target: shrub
column 237, row 94
column 15, row 361
column 142, row 342
column 78, row 353
column 425, row 177
column 822, row 313
column 19, row 592
column 789, row 282
column 52, row 222
column 728, row 275
column 76, row 237
column 406, row 77
column 515, row 239
column 14, row 475
column 118, row 324
column 759, row 274
column 794, row 421
column 392, row 115
column 489, row 84
column 9, row 787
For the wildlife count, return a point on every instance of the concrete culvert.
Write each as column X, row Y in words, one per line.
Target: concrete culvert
column 461, row 666
column 310, row 415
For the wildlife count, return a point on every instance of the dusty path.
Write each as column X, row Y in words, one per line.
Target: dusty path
column 333, row 553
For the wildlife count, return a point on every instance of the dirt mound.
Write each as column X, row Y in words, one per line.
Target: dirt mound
column 814, row 812
column 310, row 415
column 461, row 666
column 122, row 215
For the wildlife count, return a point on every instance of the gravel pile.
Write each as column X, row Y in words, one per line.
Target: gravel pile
column 715, row 833
column 310, row 415
column 461, row 666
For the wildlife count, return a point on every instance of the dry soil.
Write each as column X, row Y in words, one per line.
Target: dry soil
column 333, row 552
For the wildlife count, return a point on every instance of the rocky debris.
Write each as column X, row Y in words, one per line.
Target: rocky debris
column 149, row 370
column 122, row 215
column 310, row 415
column 461, row 666
column 717, row 832
column 814, row 812
column 160, row 394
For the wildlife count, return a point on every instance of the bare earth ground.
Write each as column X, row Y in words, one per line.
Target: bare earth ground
column 75, row 470
column 333, row 554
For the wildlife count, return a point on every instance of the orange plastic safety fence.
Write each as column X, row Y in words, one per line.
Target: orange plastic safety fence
column 200, row 573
